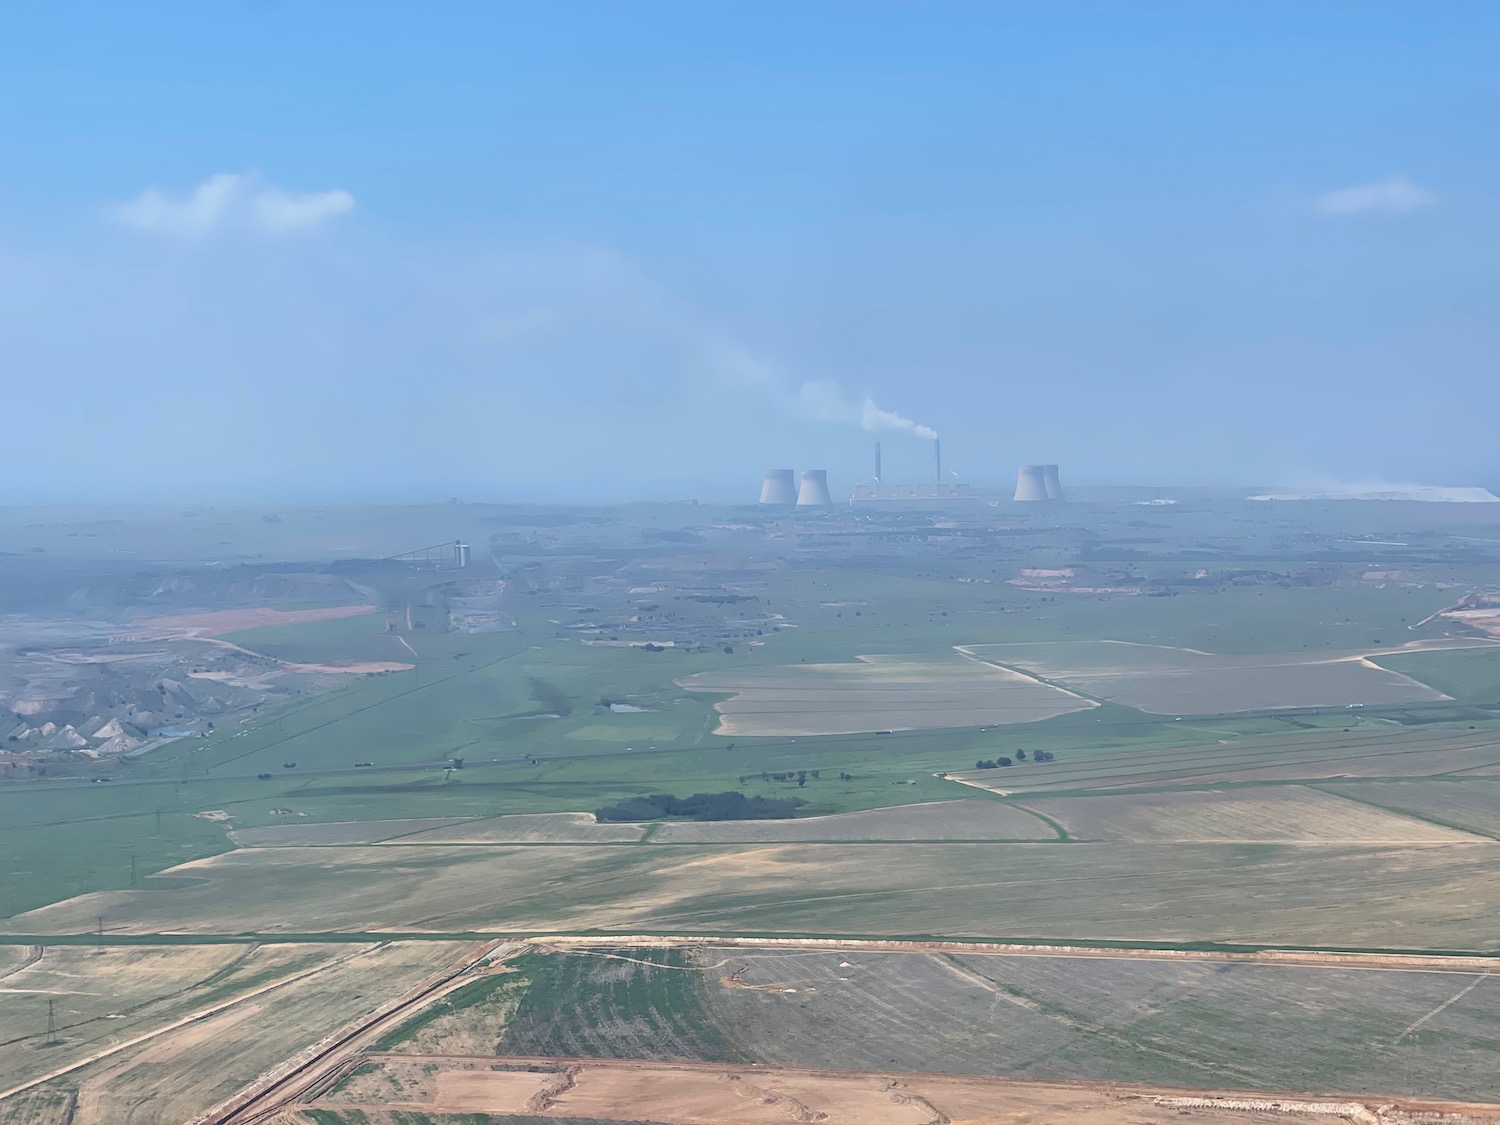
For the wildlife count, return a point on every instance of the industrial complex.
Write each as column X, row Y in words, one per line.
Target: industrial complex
column 1035, row 484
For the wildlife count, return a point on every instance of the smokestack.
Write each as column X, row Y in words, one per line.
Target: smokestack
column 778, row 488
column 813, row 492
column 877, row 462
column 1052, row 483
column 937, row 453
column 1031, row 483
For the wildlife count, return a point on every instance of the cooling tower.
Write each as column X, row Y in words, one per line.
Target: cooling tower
column 1031, row 483
column 779, row 487
column 1052, row 483
column 813, row 492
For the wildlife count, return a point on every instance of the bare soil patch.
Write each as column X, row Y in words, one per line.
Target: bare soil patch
column 217, row 622
column 683, row 1093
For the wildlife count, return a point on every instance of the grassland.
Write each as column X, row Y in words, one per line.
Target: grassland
column 349, row 639
column 1414, row 896
column 1371, row 751
column 478, row 697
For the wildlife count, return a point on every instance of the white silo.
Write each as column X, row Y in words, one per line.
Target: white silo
column 1031, row 483
column 813, row 491
column 779, row 487
column 1052, row 482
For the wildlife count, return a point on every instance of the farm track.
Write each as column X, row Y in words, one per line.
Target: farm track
column 266, row 1098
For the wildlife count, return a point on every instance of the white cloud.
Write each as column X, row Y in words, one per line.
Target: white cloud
column 229, row 199
column 1395, row 195
column 198, row 213
column 280, row 211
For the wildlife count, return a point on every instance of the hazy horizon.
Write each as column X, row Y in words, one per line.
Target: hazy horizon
column 594, row 252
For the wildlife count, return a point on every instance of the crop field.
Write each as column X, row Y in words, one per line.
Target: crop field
column 1465, row 801
column 1373, row 752
column 1175, row 681
column 181, row 1073
column 1413, row 896
column 335, row 833
column 102, row 996
column 1156, row 1021
column 938, row 820
column 878, row 693
column 532, row 828
column 186, row 1066
column 1098, row 1019
column 616, row 1003
column 1264, row 814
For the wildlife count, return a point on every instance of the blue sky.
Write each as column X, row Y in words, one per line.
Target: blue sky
column 564, row 250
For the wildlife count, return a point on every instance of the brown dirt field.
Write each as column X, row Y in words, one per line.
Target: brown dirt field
column 531, row 828
column 1273, row 814
column 937, row 820
column 879, row 693
column 703, row 1094
column 217, row 622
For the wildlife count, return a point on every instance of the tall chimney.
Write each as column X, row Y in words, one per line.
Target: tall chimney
column 937, row 453
column 877, row 462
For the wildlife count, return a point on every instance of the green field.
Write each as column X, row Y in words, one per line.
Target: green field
column 482, row 698
column 616, row 1003
column 341, row 639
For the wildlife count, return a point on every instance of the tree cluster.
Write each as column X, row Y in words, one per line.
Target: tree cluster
column 701, row 806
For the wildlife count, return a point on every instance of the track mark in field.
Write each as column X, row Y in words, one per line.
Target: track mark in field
column 1446, row 1003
